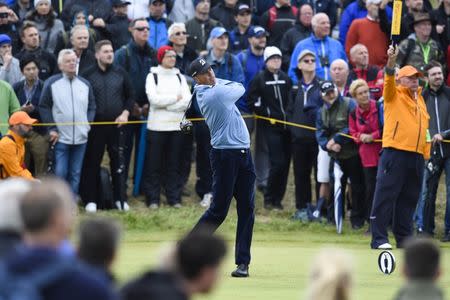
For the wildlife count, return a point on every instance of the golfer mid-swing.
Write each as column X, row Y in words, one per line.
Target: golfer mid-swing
column 231, row 161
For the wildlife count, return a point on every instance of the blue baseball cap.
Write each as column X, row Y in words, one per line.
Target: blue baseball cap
column 256, row 31
column 4, row 39
column 217, row 32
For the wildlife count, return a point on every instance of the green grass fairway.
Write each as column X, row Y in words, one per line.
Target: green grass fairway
column 282, row 253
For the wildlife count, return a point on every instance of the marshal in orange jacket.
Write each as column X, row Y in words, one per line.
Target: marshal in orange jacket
column 12, row 156
column 405, row 118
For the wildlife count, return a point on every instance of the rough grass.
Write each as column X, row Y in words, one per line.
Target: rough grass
column 282, row 249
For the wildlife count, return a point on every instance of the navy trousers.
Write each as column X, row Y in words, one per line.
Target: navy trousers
column 233, row 176
column 397, row 191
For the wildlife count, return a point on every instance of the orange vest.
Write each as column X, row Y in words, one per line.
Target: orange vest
column 405, row 118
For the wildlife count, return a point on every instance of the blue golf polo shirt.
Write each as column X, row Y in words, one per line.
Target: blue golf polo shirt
column 217, row 105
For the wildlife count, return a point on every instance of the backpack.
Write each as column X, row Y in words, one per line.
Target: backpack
column 273, row 14
column 28, row 286
column 244, row 60
column 155, row 77
column 380, row 118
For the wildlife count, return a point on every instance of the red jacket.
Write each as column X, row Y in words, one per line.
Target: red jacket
column 366, row 122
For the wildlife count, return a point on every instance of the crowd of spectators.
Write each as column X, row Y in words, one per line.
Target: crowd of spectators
column 314, row 63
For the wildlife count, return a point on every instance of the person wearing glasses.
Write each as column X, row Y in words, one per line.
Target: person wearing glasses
column 169, row 95
column 178, row 40
column 365, row 126
column 136, row 57
column 303, row 109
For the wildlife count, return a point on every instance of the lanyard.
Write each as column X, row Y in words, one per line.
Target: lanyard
column 426, row 51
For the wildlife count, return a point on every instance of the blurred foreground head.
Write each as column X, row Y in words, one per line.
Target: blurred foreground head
column 422, row 259
column 47, row 213
column 331, row 276
column 99, row 240
column 11, row 226
column 198, row 257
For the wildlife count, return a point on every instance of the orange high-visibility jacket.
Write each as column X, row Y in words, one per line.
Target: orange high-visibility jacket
column 405, row 118
column 12, row 157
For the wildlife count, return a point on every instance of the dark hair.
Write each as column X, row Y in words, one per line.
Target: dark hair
column 98, row 46
column 98, row 241
column 3, row 4
column 132, row 23
column 49, row 18
column 198, row 250
column 432, row 64
column 26, row 25
column 39, row 205
column 422, row 258
column 26, row 59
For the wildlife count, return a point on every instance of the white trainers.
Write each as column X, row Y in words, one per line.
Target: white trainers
column 153, row 206
column 385, row 246
column 91, row 207
column 206, row 201
column 126, row 207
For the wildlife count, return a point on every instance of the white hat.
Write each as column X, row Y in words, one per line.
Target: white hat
column 271, row 51
column 36, row 2
column 373, row 1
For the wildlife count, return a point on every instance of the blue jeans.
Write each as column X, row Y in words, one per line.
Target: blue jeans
column 426, row 211
column 418, row 215
column 68, row 163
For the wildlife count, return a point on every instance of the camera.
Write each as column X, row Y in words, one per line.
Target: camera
column 3, row 15
column 324, row 61
column 186, row 126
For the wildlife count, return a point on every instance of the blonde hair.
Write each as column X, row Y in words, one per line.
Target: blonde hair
column 356, row 85
column 330, row 276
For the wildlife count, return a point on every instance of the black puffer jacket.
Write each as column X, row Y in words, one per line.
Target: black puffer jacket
column 47, row 61
column 112, row 90
column 269, row 94
column 290, row 40
column 438, row 107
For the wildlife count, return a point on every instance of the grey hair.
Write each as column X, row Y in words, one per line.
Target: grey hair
column 172, row 27
column 340, row 60
column 63, row 53
column 316, row 17
column 11, row 193
column 78, row 28
column 356, row 48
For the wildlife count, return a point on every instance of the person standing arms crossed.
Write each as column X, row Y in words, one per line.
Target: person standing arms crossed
column 231, row 161
column 400, row 171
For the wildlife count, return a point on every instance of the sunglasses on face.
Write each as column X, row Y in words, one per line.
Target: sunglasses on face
column 142, row 28
column 180, row 33
column 308, row 61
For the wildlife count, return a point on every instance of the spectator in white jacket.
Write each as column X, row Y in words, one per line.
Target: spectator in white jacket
column 169, row 95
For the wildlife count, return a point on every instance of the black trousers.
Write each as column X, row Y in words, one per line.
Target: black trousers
column 163, row 166
column 352, row 169
column 233, row 176
column 186, row 157
column 399, row 180
column 304, row 154
column 132, row 138
column 204, row 172
column 370, row 179
column 99, row 138
column 279, row 145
